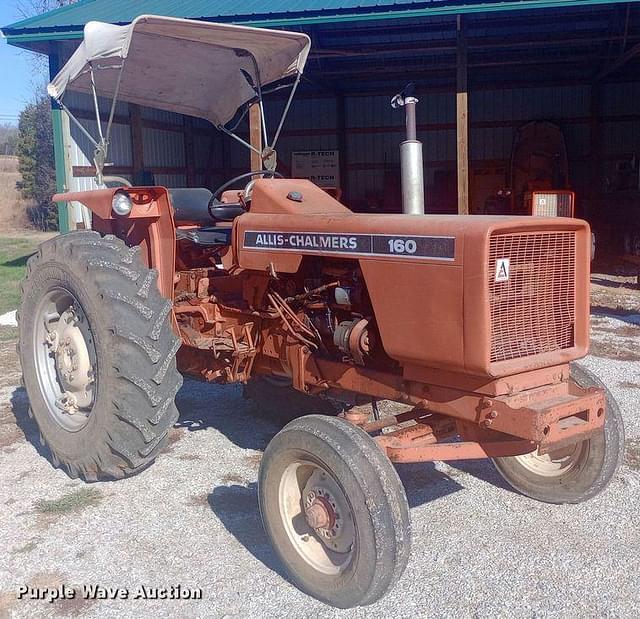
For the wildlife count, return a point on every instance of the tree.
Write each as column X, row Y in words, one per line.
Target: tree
column 36, row 163
column 8, row 139
column 40, row 62
column 27, row 8
column 35, row 135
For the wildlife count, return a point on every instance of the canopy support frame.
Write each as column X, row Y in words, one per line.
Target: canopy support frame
column 102, row 145
column 102, row 148
column 294, row 87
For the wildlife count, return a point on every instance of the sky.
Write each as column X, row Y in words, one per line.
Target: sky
column 15, row 69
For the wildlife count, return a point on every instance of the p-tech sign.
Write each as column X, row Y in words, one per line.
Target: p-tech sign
column 320, row 166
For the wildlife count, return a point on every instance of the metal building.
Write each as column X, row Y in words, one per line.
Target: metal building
column 483, row 70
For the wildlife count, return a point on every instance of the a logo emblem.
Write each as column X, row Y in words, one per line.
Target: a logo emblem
column 502, row 270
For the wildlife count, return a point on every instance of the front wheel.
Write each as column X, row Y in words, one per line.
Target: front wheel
column 335, row 511
column 577, row 472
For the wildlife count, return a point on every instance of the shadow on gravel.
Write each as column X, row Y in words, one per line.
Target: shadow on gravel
column 237, row 508
column 20, row 409
column 251, row 424
column 423, row 483
column 607, row 283
column 621, row 314
column 248, row 423
column 222, row 407
column 482, row 470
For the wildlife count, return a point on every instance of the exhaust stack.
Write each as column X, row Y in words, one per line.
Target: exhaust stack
column 411, row 167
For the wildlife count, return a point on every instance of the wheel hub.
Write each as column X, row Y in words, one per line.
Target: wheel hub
column 553, row 464
column 327, row 513
column 317, row 517
column 67, row 360
column 73, row 363
column 318, row 512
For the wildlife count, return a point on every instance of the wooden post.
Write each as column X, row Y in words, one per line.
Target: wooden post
column 255, row 136
column 462, row 120
column 595, row 151
column 137, row 144
column 189, row 151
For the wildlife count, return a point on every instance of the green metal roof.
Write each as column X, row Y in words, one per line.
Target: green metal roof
column 67, row 22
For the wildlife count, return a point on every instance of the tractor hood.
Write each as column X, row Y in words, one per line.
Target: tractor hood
column 477, row 295
column 196, row 68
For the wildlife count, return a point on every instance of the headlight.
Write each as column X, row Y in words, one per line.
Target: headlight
column 121, row 203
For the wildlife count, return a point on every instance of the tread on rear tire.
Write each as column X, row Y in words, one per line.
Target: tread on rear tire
column 134, row 345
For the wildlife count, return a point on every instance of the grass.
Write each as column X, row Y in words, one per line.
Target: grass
column 8, row 334
column 632, row 454
column 14, row 253
column 72, row 502
column 28, row 547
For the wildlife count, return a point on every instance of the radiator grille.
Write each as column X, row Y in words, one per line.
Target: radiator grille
column 553, row 204
column 533, row 310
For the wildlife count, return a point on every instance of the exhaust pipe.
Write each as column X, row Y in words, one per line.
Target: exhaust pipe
column 411, row 166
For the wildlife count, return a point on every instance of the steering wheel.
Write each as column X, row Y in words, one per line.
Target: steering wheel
column 218, row 192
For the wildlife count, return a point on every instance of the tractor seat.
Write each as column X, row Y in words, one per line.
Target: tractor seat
column 191, row 205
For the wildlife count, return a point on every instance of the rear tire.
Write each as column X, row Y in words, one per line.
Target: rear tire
column 574, row 474
column 358, row 545
column 93, row 297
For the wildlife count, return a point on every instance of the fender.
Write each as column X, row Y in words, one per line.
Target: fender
column 150, row 225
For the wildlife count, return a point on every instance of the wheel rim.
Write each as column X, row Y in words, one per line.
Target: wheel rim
column 555, row 463
column 317, row 517
column 65, row 358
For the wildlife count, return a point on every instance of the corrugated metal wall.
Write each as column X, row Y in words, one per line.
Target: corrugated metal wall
column 373, row 132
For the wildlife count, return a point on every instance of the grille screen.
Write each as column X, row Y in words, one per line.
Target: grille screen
column 531, row 293
column 553, row 204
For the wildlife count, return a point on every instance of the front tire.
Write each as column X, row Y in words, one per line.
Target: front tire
column 97, row 350
column 335, row 511
column 575, row 473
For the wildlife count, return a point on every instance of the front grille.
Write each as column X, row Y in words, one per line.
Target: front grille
column 532, row 296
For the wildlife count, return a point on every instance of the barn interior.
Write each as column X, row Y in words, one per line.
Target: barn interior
column 513, row 96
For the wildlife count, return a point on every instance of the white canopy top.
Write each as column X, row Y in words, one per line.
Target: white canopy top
column 190, row 67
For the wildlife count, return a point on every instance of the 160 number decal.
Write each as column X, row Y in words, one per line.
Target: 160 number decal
column 402, row 246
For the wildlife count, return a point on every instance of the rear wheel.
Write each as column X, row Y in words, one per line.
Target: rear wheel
column 574, row 473
column 98, row 355
column 335, row 511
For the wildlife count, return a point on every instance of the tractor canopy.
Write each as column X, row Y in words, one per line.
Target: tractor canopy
column 211, row 71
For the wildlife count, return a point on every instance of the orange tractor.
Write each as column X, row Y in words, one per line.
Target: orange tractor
column 472, row 321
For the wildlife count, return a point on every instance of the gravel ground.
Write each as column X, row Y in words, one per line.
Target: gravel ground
column 479, row 549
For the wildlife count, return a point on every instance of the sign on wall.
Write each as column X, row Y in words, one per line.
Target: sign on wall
column 320, row 166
